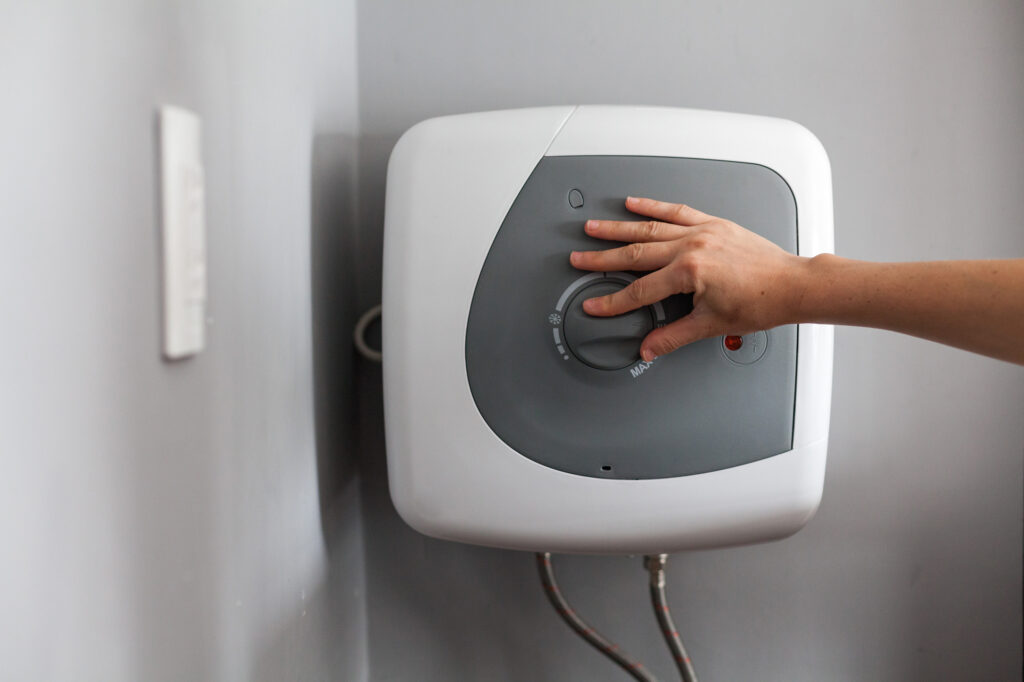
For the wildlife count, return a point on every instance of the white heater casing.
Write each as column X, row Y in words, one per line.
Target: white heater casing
column 450, row 184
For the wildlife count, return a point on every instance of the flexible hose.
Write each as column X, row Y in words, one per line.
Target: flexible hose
column 594, row 638
column 359, row 335
column 655, row 563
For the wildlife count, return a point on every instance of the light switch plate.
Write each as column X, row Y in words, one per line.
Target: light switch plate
column 183, row 224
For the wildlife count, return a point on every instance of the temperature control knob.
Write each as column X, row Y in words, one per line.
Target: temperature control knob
column 607, row 343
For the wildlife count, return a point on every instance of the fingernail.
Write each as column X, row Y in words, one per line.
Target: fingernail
column 574, row 257
column 590, row 305
column 628, row 199
column 647, row 355
column 589, row 225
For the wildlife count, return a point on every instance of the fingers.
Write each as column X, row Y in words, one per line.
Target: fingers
column 693, row 327
column 632, row 257
column 636, row 231
column 679, row 214
column 640, row 292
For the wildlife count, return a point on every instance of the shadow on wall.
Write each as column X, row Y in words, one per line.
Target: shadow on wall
column 332, row 288
column 326, row 637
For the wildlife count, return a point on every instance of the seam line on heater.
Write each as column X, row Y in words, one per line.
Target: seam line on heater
column 557, row 132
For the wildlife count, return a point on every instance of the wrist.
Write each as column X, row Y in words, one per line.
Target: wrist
column 808, row 282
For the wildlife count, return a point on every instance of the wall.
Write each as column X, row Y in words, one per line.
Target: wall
column 912, row 568
column 163, row 521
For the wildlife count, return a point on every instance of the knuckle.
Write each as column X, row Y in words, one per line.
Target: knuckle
column 666, row 344
column 649, row 230
column 682, row 211
column 636, row 291
column 634, row 253
column 602, row 259
column 687, row 264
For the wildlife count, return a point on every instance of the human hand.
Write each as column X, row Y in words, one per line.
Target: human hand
column 740, row 281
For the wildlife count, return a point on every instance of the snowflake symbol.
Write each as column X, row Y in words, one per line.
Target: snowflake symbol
column 555, row 318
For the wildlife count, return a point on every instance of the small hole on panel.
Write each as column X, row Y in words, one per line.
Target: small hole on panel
column 606, row 467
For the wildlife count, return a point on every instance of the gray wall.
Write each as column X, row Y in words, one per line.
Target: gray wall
column 912, row 568
column 164, row 521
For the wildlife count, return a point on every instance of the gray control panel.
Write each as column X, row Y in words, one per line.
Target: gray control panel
column 569, row 390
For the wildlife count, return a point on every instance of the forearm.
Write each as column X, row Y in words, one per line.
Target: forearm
column 974, row 305
column 742, row 282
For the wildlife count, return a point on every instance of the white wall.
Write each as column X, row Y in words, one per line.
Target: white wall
column 912, row 569
column 163, row 521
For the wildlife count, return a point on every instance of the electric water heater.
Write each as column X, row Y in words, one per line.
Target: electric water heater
column 513, row 418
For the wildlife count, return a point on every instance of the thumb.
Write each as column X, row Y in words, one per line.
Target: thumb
column 681, row 332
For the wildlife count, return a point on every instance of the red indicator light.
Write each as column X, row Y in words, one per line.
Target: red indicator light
column 733, row 342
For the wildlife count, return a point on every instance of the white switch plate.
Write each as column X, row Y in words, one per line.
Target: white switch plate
column 183, row 224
